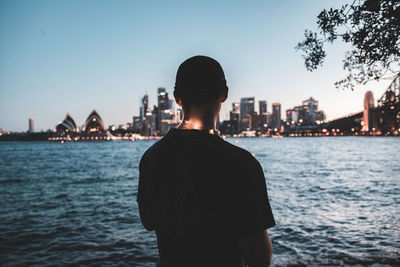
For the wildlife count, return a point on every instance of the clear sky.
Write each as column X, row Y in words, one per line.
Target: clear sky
column 76, row 56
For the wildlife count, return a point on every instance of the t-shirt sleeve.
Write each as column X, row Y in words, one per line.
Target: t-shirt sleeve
column 252, row 212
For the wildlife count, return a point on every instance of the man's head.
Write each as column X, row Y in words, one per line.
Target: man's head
column 200, row 81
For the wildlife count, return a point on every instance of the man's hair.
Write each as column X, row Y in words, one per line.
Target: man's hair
column 199, row 80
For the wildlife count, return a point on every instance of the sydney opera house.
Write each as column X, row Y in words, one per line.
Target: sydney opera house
column 92, row 130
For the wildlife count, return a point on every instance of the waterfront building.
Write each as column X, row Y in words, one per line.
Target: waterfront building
column 67, row 126
column 149, row 124
column 256, row 122
column 144, row 108
column 94, row 123
column 167, row 120
column 94, row 128
column 305, row 115
column 234, row 118
column 137, row 124
column 236, row 107
column 31, row 126
column 269, row 119
column 164, row 104
column 276, row 115
column 246, row 109
column 310, row 113
column 162, row 99
column 263, row 114
column 227, row 128
column 370, row 115
column 262, row 107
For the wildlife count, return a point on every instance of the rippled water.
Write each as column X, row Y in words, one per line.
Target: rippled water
column 336, row 201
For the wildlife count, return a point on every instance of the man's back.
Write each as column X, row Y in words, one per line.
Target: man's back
column 199, row 193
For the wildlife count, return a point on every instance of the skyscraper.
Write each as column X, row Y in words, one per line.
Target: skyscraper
column 31, row 125
column 276, row 115
column 263, row 114
column 145, row 106
column 234, row 115
column 162, row 97
column 234, row 118
column 262, row 107
column 246, row 110
column 310, row 106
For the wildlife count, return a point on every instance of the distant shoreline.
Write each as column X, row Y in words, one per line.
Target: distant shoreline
column 8, row 138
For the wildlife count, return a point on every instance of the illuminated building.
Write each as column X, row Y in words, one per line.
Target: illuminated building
column 68, row 125
column 263, row 114
column 276, row 115
column 262, row 107
column 163, row 99
column 246, row 109
column 145, row 106
column 167, row 120
column 370, row 116
column 94, row 123
column 137, row 124
column 306, row 114
column 164, row 113
column 94, row 129
column 310, row 113
column 292, row 116
column 234, row 118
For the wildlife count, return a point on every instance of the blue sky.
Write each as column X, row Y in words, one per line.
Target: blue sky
column 76, row 56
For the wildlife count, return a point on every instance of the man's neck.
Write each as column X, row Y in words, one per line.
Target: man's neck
column 198, row 121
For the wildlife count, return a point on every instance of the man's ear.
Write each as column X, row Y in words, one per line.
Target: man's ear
column 178, row 99
column 224, row 94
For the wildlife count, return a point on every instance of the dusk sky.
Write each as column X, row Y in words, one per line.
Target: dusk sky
column 76, row 56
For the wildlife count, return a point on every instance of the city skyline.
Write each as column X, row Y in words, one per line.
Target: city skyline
column 110, row 54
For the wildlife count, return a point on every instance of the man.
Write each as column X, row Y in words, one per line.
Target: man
column 205, row 198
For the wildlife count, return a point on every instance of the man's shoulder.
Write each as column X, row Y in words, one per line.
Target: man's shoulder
column 234, row 152
column 235, row 155
column 151, row 152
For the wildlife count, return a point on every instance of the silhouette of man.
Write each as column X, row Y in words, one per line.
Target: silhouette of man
column 205, row 198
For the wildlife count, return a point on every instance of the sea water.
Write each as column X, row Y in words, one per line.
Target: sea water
column 336, row 201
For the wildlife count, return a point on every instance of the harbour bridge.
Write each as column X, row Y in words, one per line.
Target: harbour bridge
column 389, row 108
column 383, row 119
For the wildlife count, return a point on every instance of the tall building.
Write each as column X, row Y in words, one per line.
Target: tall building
column 246, row 110
column 234, row 115
column 149, row 124
column 370, row 116
column 163, row 100
column 276, row 115
column 310, row 107
column 306, row 114
column 145, row 106
column 292, row 116
column 236, row 107
column 167, row 120
column 164, row 113
column 263, row 114
column 31, row 125
column 262, row 107
column 234, row 118
column 137, row 124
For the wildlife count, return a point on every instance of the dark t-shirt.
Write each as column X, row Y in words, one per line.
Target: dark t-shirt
column 199, row 192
